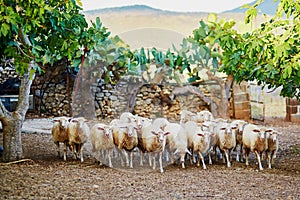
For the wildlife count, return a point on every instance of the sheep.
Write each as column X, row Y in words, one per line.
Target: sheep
column 186, row 116
column 239, row 137
column 78, row 133
column 102, row 140
column 141, row 122
column 211, row 127
column 59, row 134
column 254, row 140
column 273, row 143
column 125, row 138
column 154, row 141
column 204, row 115
column 160, row 122
column 226, row 140
column 198, row 141
column 127, row 117
column 177, row 141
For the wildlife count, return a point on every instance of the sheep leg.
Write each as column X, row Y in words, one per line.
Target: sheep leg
column 209, row 158
column 131, row 159
column 259, row 160
column 273, row 156
column 73, row 146
column 241, row 152
column 81, row 152
column 168, row 157
column 191, row 158
column 154, row 162
column 202, row 159
column 222, row 152
column 230, row 154
column 227, row 158
column 141, row 158
column 160, row 162
column 57, row 149
column 247, row 151
column 109, row 152
column 182, row 160
column 269, row 159
column 126, row 157
column 150, row 159
column 171, row 157
column 65, row 151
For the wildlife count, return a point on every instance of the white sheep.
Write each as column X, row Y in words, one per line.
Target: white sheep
column 240, row 124
column 211, row 127
column 273, row 143
column 226, row 140
column 127, row 117
column 102, row 140
column 141, row 123
column 125, row 138
column 254, row 140
column 59, row 134
column 160, row 122
column 204, row 115
column 177, row 141
column 186, row 116
column 198, row 141
column 78, row 133
column 154, row 141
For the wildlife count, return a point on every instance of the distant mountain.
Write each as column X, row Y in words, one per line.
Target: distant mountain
column 267, row 7
column 134, row 8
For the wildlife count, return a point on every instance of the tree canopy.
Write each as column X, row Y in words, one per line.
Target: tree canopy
column 269, row 54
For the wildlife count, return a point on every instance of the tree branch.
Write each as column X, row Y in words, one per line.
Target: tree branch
column 24, row 91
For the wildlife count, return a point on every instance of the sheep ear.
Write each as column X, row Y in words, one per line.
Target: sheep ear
column 167, row 133
column 269, row 130
column 154, row 133
column 200, row 134
column 256, row 130
column 56, row 120
column 223, row 128
column 100, row 128
column 233, row 128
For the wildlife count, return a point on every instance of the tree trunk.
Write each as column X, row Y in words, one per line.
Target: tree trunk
column 12, row 121
column 12, row 142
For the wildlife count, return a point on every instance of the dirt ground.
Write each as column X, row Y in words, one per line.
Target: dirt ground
column 45, row 176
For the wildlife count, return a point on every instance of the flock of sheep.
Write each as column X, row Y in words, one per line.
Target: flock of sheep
column 196, row 135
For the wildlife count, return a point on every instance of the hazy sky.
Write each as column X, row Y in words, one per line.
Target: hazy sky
column 173, row 5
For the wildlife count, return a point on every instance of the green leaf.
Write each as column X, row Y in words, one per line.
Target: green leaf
column 4, row 29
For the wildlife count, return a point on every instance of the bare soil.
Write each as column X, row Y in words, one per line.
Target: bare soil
column 45, row 176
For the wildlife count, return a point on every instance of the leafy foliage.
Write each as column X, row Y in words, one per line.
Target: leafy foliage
column 270, row 54
column 41, row 31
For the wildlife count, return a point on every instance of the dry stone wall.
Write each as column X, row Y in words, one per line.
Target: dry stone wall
column 7, row 73
column 54, row 98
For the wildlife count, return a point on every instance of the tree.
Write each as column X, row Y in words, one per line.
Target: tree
column 269, row 54
column 36, row 34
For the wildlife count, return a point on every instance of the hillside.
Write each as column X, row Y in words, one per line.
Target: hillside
column 141, row 25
